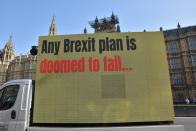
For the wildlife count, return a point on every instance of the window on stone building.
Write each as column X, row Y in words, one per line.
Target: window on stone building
column 175, row 63
column 31, row 65
column 187, row 60
column 25, row 75
column 189, row 77
column 194, row 75
column 26, row 65
column 12, row 67
column 192, row 44
column 181, row 98
column 193, row 59
column 30, row 75
column 177, row 79
column 172, row 47
column 33, row 75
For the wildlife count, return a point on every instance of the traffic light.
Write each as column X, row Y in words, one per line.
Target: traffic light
column 34, row 50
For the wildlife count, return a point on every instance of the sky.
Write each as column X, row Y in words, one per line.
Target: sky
column 26, row 20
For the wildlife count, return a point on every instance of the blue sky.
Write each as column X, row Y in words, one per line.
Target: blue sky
column 25, row 20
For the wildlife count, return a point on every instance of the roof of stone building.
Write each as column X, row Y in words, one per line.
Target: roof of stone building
column 183, row 30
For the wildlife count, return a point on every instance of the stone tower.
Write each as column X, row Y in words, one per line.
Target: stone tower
column 6, row 56
column 7, row 53
column 106, row 24
column 53, row 27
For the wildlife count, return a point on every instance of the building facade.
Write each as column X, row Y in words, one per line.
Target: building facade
column 181, row 54
column 22, row 67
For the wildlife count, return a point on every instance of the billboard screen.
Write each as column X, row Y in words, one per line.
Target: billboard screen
column 102, row 78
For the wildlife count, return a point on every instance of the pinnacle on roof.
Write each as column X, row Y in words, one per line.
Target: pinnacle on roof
column 178, row 25
column 85, row 30
column 161, row 28
column 53, row 27
column 118, row 28
column 9, row 43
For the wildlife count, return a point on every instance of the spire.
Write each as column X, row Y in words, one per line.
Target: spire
column 9, row 44
column 8, row 51
column 178, row 25
column 112, row 14
column 85, row 30
column 178, row 30
column 96, row 20
column 10, row 38
column 113, row 18
column 96, row 24
column 118, row 28
column 161, row 28
column 53, row 28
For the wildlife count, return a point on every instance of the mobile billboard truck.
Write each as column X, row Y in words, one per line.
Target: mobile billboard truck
column 103, row 81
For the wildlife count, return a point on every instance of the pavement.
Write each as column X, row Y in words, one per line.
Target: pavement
column 188, row 122
column 185, row 110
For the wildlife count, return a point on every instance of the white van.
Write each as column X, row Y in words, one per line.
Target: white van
column 15, row 112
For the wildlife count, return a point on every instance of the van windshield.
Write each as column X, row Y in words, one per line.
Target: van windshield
column 8, row 96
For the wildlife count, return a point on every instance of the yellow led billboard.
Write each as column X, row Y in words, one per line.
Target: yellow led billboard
column 102, row 78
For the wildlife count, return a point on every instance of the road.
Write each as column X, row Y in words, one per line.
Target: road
column 188, row 122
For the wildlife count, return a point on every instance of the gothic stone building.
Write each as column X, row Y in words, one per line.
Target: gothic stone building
column 180, row 49
column 19, row 67
column 181, row 55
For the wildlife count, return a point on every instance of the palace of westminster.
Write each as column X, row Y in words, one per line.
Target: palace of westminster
column 180, row 44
